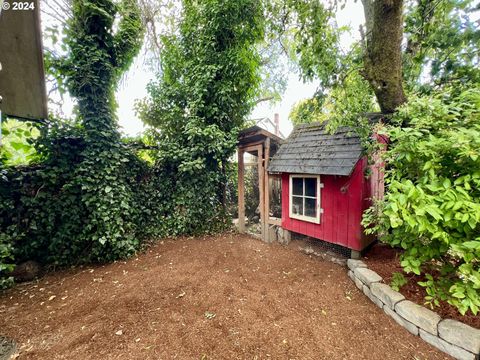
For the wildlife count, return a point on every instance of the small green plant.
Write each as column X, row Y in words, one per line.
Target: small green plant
column 17, row 138
column 398, row 281
column 6, row 265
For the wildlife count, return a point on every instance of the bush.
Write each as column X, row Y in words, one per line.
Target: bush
column 432, row 204
column 57, row 213
column 46, row 210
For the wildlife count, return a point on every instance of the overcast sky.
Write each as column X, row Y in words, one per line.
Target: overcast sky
column 134, row 83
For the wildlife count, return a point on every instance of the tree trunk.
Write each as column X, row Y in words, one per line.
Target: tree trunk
column 383, row 55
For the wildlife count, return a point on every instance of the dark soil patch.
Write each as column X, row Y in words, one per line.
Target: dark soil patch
column 384, row 260
column 221, row 297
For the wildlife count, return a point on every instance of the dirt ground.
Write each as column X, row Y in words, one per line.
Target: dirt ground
column 222, row 297
column 385, row 261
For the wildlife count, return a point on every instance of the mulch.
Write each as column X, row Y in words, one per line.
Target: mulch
column 220, row 297
column 384, row 260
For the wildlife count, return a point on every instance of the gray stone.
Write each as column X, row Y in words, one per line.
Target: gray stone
column 460, row 334
column 8, row 347
column 353, row 264
column 401, row 321
column 351, row 276
column 418, row 315
column 283, row 236
column 372, row 297
column 359, row 284
column 367, row 276
column 354, row 254
column 385, row 293
column 272, row 234
column 453, row 350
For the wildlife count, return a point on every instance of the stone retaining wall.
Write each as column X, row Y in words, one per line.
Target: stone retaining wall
column 452, row 337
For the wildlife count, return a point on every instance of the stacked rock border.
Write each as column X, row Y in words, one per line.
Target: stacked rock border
column 452, row 337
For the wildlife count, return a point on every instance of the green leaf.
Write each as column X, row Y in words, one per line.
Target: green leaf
column 472, row 245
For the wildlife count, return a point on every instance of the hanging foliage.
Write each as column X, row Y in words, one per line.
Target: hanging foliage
column 209, row 81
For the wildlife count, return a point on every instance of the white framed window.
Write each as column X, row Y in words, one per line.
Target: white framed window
column 305, row 198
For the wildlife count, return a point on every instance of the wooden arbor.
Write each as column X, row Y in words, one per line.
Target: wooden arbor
column 263, row 144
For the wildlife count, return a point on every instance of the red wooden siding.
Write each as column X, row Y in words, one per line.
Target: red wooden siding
column 343, row 200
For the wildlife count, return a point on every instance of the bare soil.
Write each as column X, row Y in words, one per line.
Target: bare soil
column 221, row 297
column 384, row 260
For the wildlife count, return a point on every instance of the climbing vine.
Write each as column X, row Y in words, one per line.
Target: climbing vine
column 209, row 81
column 89, row 196
column 77, row 203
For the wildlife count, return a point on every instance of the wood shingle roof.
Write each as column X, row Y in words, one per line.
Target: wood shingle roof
column 311, row 150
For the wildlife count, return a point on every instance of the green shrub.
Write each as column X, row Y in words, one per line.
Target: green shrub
column 398, row 280
column 432, row 204
column 6, row 257
column 46, row 211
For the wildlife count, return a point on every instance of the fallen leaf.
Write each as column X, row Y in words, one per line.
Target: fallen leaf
column 52, row 297
column 182, row 294
column 210, row 315
column 119, row 332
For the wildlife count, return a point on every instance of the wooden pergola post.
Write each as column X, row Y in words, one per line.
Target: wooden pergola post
column 257, row 141
column 266, row 190
column 241, row 191
column 261, row 185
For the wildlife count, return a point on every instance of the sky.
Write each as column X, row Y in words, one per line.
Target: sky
column 133, row 85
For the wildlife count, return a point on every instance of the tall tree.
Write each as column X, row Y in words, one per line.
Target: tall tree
column 209, row 82
column 383, row 54
column 103, row 37
column 405, row 45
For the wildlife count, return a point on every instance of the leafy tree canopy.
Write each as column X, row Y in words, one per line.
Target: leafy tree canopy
column 441, row 44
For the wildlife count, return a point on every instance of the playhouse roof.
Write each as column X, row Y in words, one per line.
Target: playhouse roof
column 311, row 150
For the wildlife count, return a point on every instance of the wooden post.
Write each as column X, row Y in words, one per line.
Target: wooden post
column 241, row 192
column 267, row 191
column 261, row 185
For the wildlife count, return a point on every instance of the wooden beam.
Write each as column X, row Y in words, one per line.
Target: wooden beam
column 275, row 221
column 251, row 147
column 266, row 187
column 261, row 185
column 241, row 192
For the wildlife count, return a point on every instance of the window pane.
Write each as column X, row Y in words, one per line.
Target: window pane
column 297, row 186
column 311, row 187
column 297, row 205
column 311, row 207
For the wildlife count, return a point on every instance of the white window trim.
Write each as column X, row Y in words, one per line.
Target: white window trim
column 311, row 219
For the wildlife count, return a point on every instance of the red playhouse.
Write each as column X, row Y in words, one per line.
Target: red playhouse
column 327, row 183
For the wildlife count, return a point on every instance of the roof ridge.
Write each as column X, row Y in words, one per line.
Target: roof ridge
column 321, row 152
